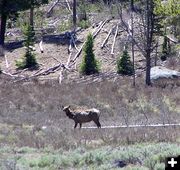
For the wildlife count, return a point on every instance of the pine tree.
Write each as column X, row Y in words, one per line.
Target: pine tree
column 124, row 64
column 89, row 64
column 29, row 60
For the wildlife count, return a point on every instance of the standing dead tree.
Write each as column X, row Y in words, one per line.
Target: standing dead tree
column 74, row 14
column 144, row 32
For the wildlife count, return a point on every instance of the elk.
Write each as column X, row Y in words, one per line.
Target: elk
column 83, row 116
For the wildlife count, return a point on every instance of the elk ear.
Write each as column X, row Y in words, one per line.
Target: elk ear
column 68, row 107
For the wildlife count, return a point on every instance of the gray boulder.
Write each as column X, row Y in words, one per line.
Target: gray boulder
column 159, row 72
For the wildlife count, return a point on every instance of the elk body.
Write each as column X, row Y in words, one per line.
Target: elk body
column 83, row 116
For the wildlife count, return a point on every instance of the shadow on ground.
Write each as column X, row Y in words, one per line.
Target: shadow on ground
column 59, row 39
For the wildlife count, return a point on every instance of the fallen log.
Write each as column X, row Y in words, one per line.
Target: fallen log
column 56, row 59
column 49, row 12
column 45, row 72
column 69, row 59
column 77, row 54
column 11, row 75
column 48, row 71
column 112, row 49
column 7, row 64
column 107, row 37
column 37, row 72
column 20, row 71
column 41, row 47
column 68, row 7
column 100, row 27
column 61, row 76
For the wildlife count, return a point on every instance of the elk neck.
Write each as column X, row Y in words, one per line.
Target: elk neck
column 69, row 114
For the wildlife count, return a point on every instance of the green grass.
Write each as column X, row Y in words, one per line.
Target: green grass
column 84, row 24
column 140, row 156
column 65, row 25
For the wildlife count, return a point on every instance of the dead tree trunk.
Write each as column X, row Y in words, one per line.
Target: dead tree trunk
column 143, row 37
column 148, row 68
column 31, row 17
column 74, row 15
column 149, row 38
column 3, row 20
column 132, row 43
column 156, row 54
column 112, row 49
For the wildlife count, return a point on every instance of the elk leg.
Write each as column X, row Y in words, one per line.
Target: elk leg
column 80, row 125
column 75, row 125
column 97, row 123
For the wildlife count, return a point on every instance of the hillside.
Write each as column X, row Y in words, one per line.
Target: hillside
column 140, row 124
column 56, row 47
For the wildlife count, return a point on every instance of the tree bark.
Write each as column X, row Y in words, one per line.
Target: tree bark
column 31, row 17
column 132, row 43
column 74, row 15
column 149, row 38
column 148, row 68
column 3, row 20
column 132, row 5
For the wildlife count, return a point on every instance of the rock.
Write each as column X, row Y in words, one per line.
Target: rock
column 159, row 72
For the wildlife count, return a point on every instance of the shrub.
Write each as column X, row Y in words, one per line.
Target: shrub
column 159, row 166
column 89, row 64
column 65, row 25
column 124, row 64
column 29, row 60
column 164, row 49
column 84, row 24
column 46, row 161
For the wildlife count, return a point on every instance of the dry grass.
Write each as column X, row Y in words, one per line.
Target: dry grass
column 26, row 108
